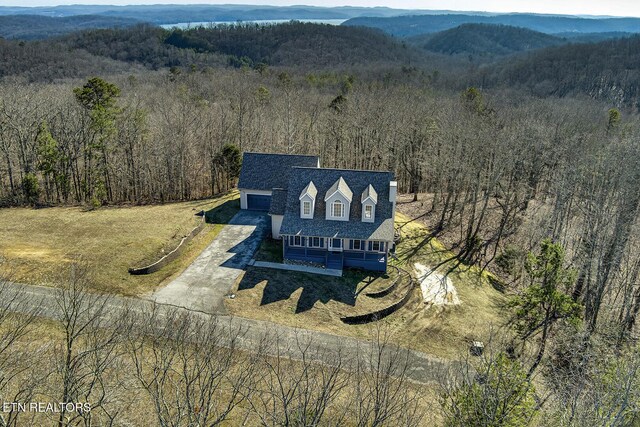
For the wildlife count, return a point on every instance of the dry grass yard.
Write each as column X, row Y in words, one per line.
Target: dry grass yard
column 317, row 302
column 308, row 300
column 38, row 245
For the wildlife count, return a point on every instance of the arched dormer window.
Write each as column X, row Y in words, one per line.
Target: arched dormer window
column 338, row 201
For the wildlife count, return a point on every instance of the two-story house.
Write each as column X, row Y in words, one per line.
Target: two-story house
column 336, row 217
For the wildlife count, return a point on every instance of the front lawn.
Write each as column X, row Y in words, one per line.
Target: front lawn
column 39, row 245
column 317, row 302
column 307, row 300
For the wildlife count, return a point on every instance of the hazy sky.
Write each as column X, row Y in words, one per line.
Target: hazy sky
column 581, row 7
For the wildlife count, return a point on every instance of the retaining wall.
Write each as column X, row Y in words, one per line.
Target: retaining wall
column 171, row 255
column 391, row 288
column 380, row 314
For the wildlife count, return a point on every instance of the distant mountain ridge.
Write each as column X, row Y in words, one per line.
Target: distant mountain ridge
column 173, row 13
column 484, row 40
column 412, row 25
column 31, row 27
column 237, row 12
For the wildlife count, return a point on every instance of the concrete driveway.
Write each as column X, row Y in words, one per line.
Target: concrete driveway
column 204, row 284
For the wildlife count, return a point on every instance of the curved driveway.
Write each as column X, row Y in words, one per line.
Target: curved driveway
column 204, row 284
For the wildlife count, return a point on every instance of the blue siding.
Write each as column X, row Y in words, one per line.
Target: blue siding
column 367, row 260
column 374, row 261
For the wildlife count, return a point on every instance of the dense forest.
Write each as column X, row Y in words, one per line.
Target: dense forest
column 605, row 70
column 294, row 44
column 541, row 147
column 316, row 45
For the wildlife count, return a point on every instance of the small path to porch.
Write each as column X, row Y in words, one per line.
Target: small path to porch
column 300, row 268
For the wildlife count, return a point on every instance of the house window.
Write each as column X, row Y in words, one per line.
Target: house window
column 368, row 211
column 357, row 244
column 306, row 208
column 375, row 246
column 336, row 243
column 316, row 242
column 337, row 209
column 297, row 241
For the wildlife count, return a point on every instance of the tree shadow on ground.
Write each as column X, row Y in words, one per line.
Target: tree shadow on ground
column 222, row 213
column 281, row 285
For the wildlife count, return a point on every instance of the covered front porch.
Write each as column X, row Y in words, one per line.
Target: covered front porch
column 336, row 259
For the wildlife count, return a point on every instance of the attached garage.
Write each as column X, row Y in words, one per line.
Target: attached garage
column 261, row 173
column 258, row 202
column 255, row 200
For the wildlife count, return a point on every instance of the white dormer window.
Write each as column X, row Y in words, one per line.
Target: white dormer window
column 368, row 212
column 338, row 201
column 308, row 201
column 369, row 200
column 337, row 209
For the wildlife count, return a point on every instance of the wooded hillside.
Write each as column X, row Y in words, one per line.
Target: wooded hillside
column 294, row 43
column 30, row 27
column 484, row 40
column 608, row 70
column 107, row 51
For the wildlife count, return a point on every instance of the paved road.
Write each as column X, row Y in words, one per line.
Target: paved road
column 204, row 284
column 283, row 340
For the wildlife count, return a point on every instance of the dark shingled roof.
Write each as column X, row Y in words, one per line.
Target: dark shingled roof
column 341, row 186
column 369, row 192
column 265, row 171
column 358, row 181
column 278, row 201
column 310, row 189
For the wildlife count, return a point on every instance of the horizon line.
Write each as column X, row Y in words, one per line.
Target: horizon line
column 442, row 11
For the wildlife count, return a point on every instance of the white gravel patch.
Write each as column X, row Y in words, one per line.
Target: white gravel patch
column 436, row 289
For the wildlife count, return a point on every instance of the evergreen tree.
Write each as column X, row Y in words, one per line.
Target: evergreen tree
column 546, row 300
column 99, row 98
column 30, row 189
column 500, row 394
